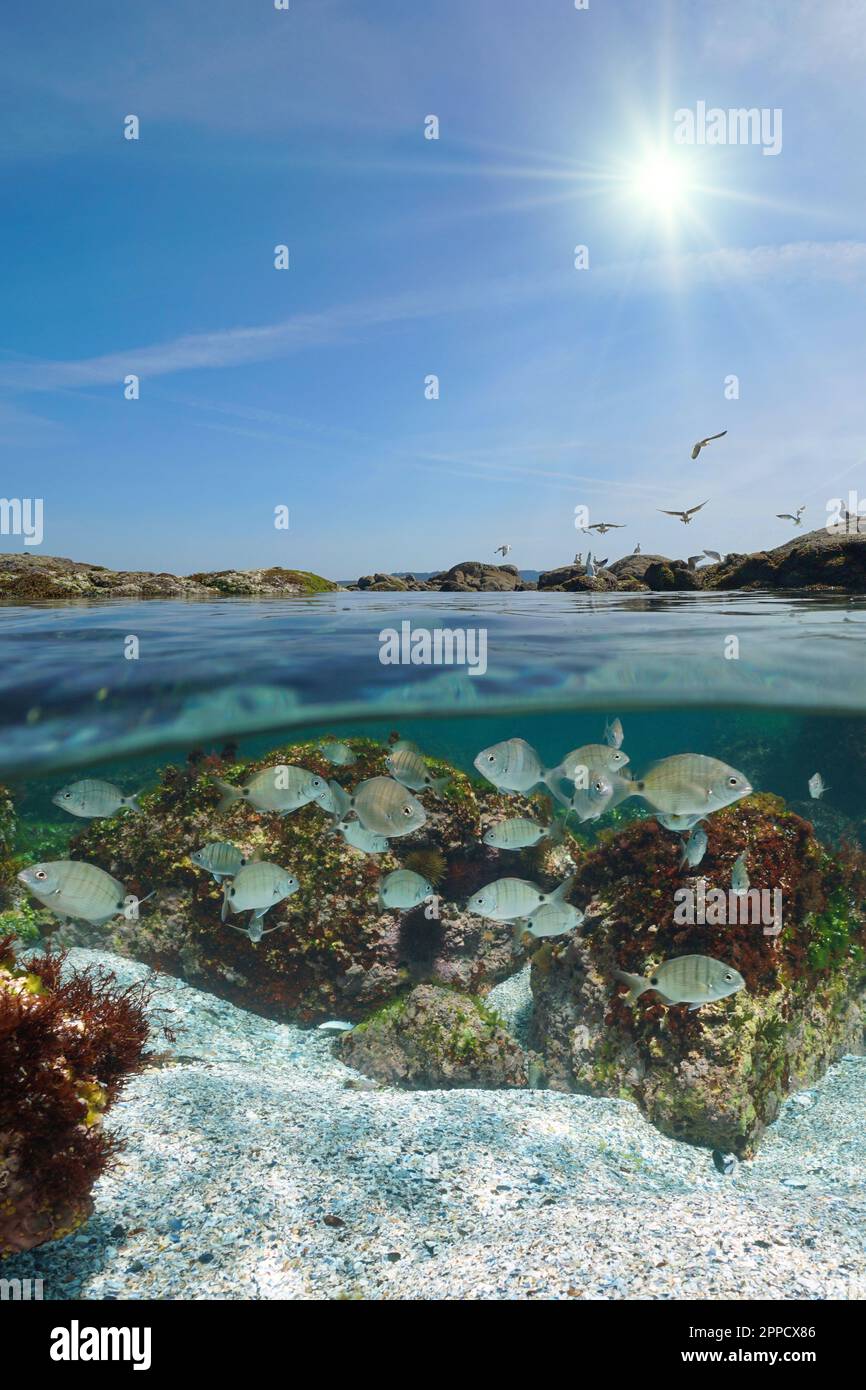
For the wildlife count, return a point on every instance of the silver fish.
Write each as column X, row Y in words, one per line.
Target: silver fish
column 334, row 1025
column 282, row 788
column 514, row 766
column 551, row 919
column 817, row 786
column 590, row 802
column 220, row 858
column 340, row 754
column 333, row 799
column 613, row 733
column 72, row 889
column 694, row 848
column 92, row 798
column 255, row 931
column 257, row 887
column 689, row 784
column 385, row 807
column 579, row 765
column 509, row 898
column 408, row 768
column 367, row 841
column 692, row 980
column 403, row 889
column 739, row 877
column 519, row 833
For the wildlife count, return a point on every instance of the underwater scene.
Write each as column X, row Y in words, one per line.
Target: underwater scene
column 542, row 982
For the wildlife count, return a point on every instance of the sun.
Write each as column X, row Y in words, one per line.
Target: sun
column 658, row 182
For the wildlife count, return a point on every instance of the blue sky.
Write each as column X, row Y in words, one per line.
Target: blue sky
column 305, row 388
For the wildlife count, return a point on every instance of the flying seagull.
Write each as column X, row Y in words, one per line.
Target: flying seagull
column 502, row 550
column 694, row 561
column 685, row 517
column 602, row 526
column 797, row 517
column 713, row 555
column 702, row 443
column 601, row 563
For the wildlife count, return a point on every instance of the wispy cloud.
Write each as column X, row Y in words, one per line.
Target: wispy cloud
column 843, row 262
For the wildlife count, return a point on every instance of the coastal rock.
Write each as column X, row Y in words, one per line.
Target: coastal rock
column 664, row 575
column 717, row 1076
column 574, row 579
column 336, row 954
column 470, row 576
column 435, row 1039
column 833, row 558
column 27, row 576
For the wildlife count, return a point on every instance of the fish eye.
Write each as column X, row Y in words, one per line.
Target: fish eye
column 67, row 796
column 490, row 758
column 654, row 980
column 41, row 874
column 407, row 810
column 729, row 976
column 733, row 781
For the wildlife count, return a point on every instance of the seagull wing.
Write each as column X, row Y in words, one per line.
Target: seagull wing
column 691, row 511
column 711, row 437
column 664, row 512
column 696, row 448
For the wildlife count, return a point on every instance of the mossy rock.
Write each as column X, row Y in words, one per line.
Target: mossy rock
column 435, row 1039
column 335, row 953
column 716, row 1076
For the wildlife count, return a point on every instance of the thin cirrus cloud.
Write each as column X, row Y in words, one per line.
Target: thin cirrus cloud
column 843, row 262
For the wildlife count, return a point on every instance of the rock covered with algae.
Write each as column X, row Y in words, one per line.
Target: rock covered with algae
column 67, row 1045
column 335, row 954
column 716, row 1076
column 435, row 1039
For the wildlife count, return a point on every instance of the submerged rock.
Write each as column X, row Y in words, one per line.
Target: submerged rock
column 719, row 1075
column 435, row 1038
column 335, row 953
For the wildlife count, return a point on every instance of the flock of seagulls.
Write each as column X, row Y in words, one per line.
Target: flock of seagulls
column 602, row 527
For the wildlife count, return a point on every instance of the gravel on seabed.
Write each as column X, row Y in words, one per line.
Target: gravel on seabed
column 259, row 1167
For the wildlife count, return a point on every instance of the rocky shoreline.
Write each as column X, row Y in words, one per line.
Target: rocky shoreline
column 829, row 560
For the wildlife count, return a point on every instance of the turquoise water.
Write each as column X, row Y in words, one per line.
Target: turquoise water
column 258, row 674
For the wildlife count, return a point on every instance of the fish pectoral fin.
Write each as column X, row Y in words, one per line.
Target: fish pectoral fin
column 225, row 907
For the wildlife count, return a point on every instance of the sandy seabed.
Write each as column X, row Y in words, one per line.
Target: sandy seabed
column 259, row 1167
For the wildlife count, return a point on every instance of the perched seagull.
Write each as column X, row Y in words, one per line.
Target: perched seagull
column 502, row 550
column 636, row 550
column 702, row 443
column 578, row 559
column 797, row 518
column 602, row 526
column 685, row 517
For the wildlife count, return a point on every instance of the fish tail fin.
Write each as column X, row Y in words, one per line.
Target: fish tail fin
column 551, row 780
column 637, row 984
column 225, row 907
column 561, row 891
column 230, row 794
column 556, row 830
